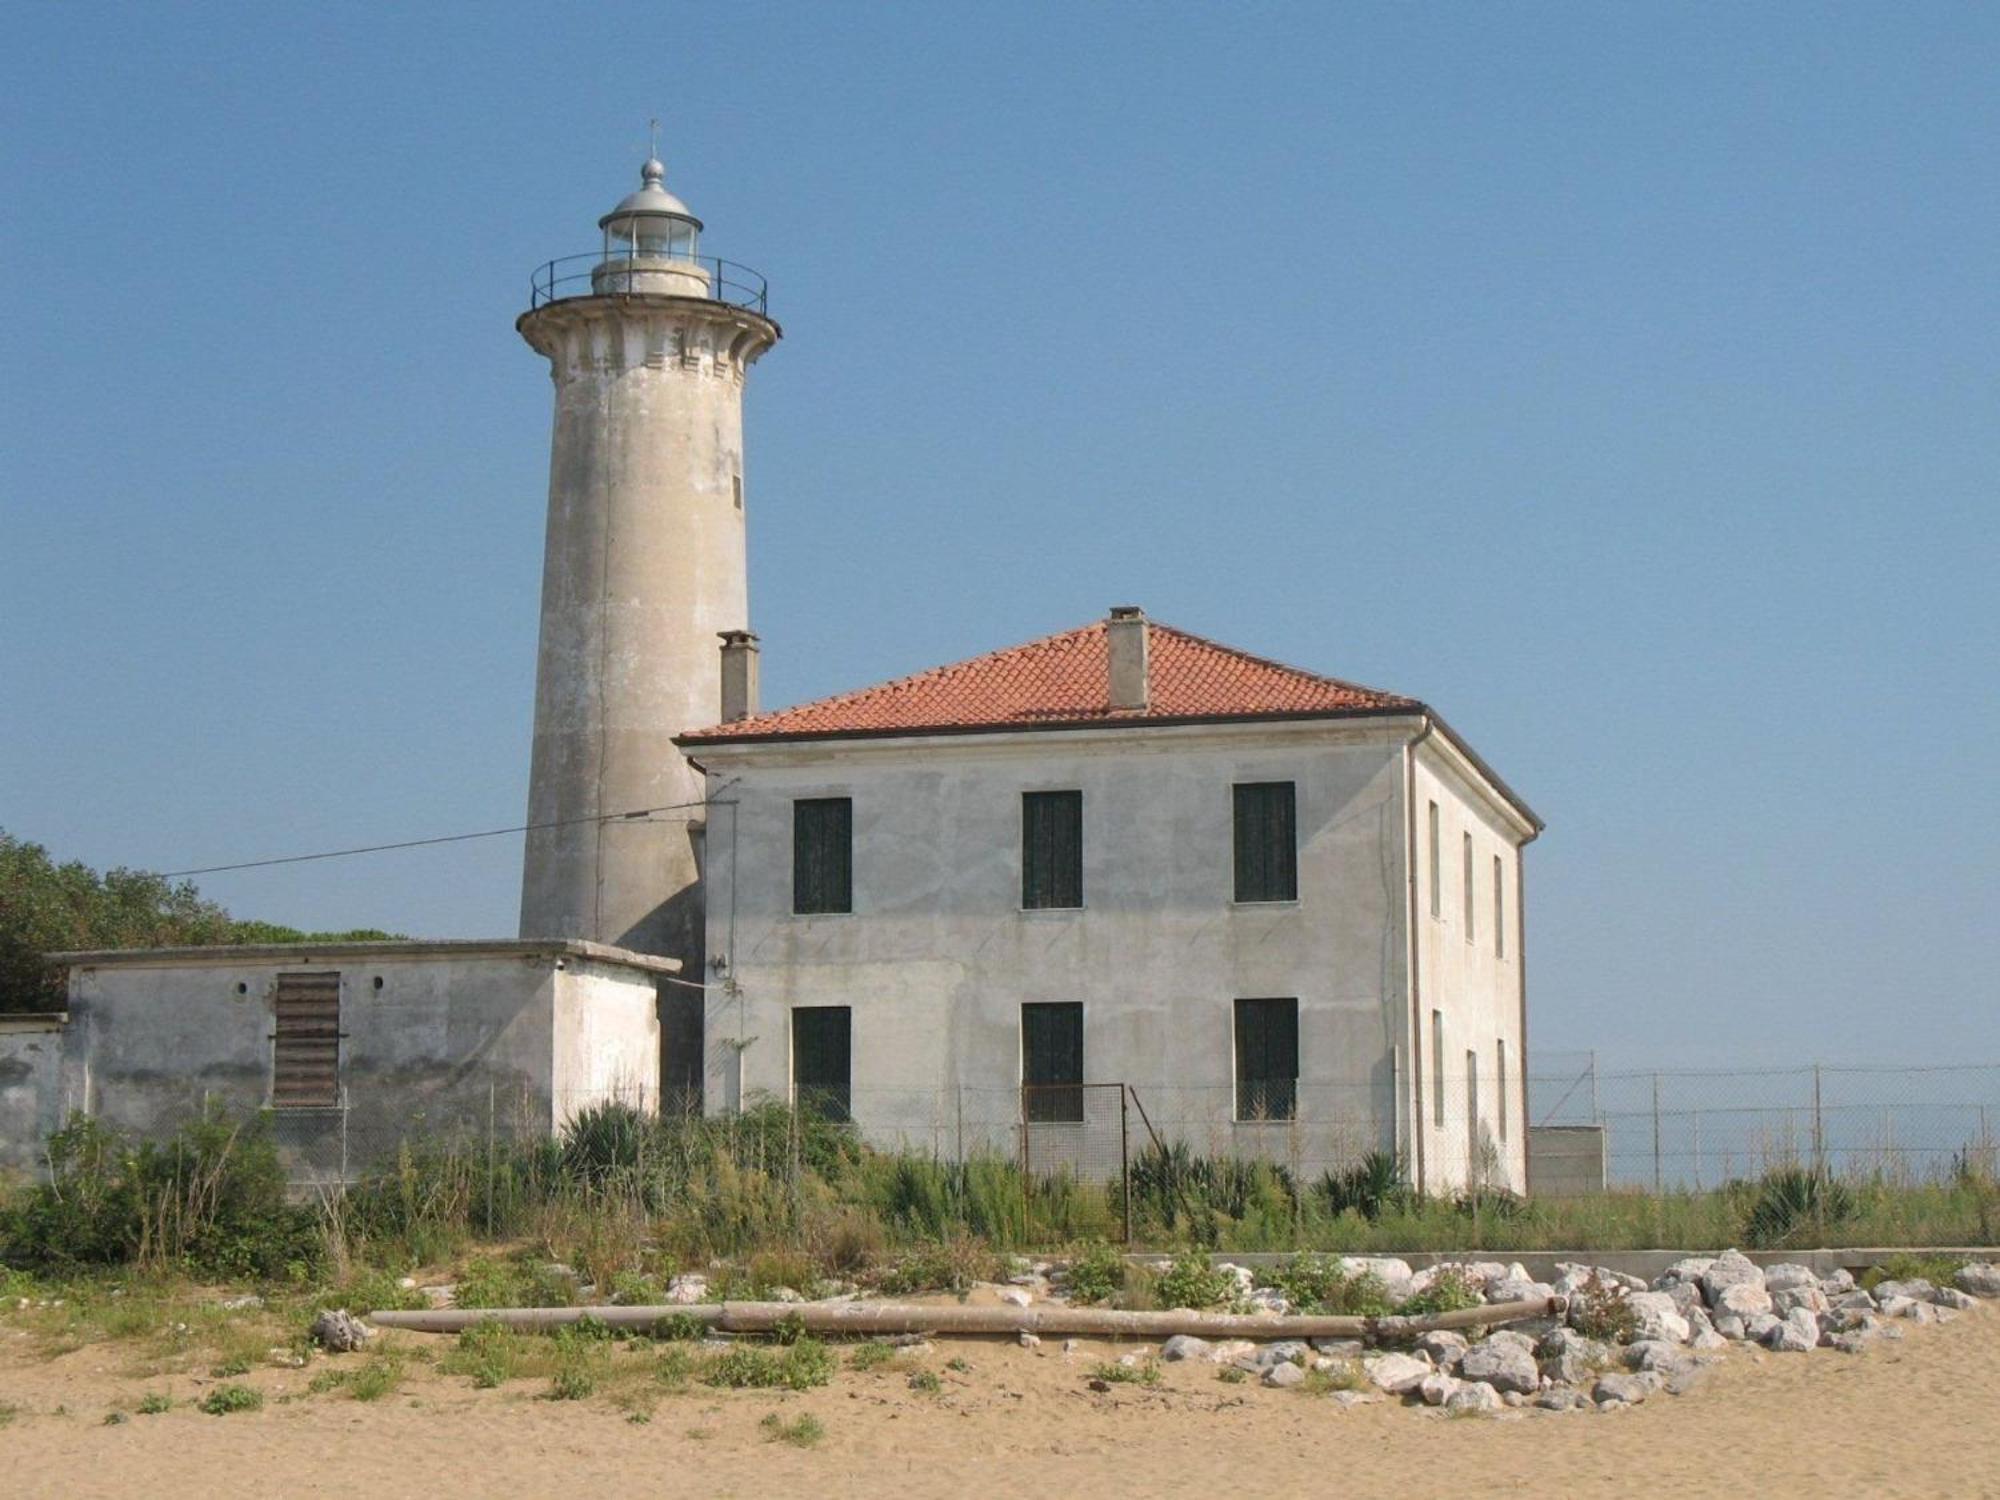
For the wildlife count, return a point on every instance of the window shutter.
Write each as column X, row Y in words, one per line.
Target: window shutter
column 1052, row 1061
column 823, row 1060
column 305, row 1067
column 823, row 854
column 1267, row 866
column 1051, row 849
column 1267, row 1059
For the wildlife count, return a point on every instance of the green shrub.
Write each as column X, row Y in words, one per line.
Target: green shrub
column 225, row 1399
column 1146, row 1372
column 1191, row 1281
column 1602, row 1309
column 806, row 1364
column 381, row 1376
column 211, row 1200
column 1794, row 1202
column 870, row 1355
column 153, row 1403
column 1449, row 1291
column 1317, row 1284
column 489, row 1352
column 948, row 1266
column 1938, row 1270
column 1368, row 1188
column 801, row 1432
column 1095, row 1273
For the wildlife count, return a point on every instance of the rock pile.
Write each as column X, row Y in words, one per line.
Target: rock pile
column 1620, row 1341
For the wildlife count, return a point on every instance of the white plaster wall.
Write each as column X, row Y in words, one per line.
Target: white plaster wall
column 938, row 957
column 1459, row 973
column 607, row 1038
column 31, row 1102
column 643, row 565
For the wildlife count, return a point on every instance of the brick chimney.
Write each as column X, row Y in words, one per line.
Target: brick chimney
column 1125, row 639
column 739, row 675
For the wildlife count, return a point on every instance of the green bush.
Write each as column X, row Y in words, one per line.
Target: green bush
column 1191, row 1281
column 1794, row 1203
column 1316, row 1284
column 799, row 1367
column 1449, row 1291
column 1095, row 1273
column 1368, row 1188
column 225, row 1399
column 211, row 1200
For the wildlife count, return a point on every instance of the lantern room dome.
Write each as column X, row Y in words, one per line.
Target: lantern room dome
column 652, row 201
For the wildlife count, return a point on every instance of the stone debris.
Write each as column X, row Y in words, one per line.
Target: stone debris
column 1396, row 1374
column 338, row 1331
column 1502, row 1364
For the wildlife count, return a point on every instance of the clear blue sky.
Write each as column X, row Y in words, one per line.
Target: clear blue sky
column 1621, row 380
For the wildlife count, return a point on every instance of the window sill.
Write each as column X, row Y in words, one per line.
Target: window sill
column 1291, row 904
column 810, row 916
column 1285, row 1124
column 1049, row 911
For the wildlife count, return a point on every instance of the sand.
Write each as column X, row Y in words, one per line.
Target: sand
column 1914, row 1418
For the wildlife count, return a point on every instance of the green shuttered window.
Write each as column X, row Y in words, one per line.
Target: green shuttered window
column 1051, row 849
column 305, row 1042
column 823, row 854
column 1267, row 1059
column 1267, row 854
column 1052, row 1062
column 822, row 1061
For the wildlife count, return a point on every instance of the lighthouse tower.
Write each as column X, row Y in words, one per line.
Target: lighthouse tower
column 648, row 342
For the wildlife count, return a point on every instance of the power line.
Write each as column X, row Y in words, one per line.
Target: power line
column 449, row 838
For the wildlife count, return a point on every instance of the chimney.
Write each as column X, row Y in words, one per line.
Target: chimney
column 1125, row 639
column 739, row 675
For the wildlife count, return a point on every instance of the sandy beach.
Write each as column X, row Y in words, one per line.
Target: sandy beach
column 1908, row 1418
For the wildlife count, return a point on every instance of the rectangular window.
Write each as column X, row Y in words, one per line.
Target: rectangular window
column 305, row 1042
column 1472, row 1115
column 823, row 854
column 1470, row 905
column 1051, row 850
column 1499, row 911
column 1052, row 1062
column 1267, row 848
column 823, row 1060
column 1437, row 867
column 1500, row 1101
column 1437, row 1068
column 1267, row 1059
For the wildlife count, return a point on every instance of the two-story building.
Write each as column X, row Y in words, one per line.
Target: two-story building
column 1285, row 910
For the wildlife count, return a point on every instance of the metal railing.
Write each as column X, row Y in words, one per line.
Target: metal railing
column 622, row 274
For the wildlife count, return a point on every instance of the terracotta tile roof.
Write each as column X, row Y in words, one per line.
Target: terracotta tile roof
column 1064, row 681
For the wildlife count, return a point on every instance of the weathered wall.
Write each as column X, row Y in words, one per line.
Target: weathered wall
column 436, row 1039
column 643, row 566
column 1476, row 985
column 938, row 956
column 31, row 1102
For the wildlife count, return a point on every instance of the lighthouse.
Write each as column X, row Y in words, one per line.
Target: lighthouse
column 649, row 341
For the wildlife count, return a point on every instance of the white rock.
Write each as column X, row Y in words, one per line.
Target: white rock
column 1016, row 1296
column 1744, row 1298
column 1657, row 1354
column 1629, row 1389
column 1518, row 1289
column 1230, row 1351
column 1689, row 1270
column 1836, row 1282
column 1185, row 1346
column 1284, row 1375
column 1783, row 1278
column 687, row 1289
column 1658, row 1318
column 1981, row 1279
column 1687, row 1299
column 1798, row 1333
column 1437, row 1387
column 1731, row 1268
column 1505, row 1366
column 1811, row 1298
column 1567, row 1356
column 1396, row 1374
column 1472, row 1396
column 1384, row 1267
column 1029, row 1340
column 1916, row 1287
column 1444, row 1348
column 1757, row 1329
column 1952, row 1297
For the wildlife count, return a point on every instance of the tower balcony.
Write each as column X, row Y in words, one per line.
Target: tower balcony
column 619, row 271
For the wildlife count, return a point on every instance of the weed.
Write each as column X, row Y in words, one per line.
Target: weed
column 1346, row 1375
column 236, row 1364
column 1793, row 1203
column 869, row 1356
column 1231, row 1375
column 8, row 1412
column 958, row 1364
column 927, row 1382
column 582, row 1359
column 789, row 1330
column 1096, row 1272
column 806, row 1364
column 1318, row 1284
column 328, row 1380
column 802, row 1431
column 115, row 1419
column 681, row 1327
column 379, row 1377
column 1192, row 1282
column 489, row 1352
column 949, row 1266
column 1938, row 1270
column 225, row 1399
column 1602, row 1309
column 1449, row 1291
column 153, row 1403
column 1145, row 1372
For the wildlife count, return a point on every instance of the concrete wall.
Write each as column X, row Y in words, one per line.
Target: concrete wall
column 31, row 1102
column 1476, row 985
column 643, row 566
column 1566, row 1161
column 938, row 956
column 434, row 1037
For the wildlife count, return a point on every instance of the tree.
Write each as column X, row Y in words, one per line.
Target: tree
column 47, row 907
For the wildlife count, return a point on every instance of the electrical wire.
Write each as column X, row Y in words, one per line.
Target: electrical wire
column 449, row 838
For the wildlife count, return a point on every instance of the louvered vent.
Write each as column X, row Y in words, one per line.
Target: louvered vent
column 305, row 1073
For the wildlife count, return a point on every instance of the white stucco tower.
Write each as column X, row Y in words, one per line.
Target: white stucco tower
column 648, row 342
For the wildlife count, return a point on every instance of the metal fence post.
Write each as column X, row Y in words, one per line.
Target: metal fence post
column 1819, row 1129
column 491, row 1105
column 1124, row 1163
column 1656, row 1133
